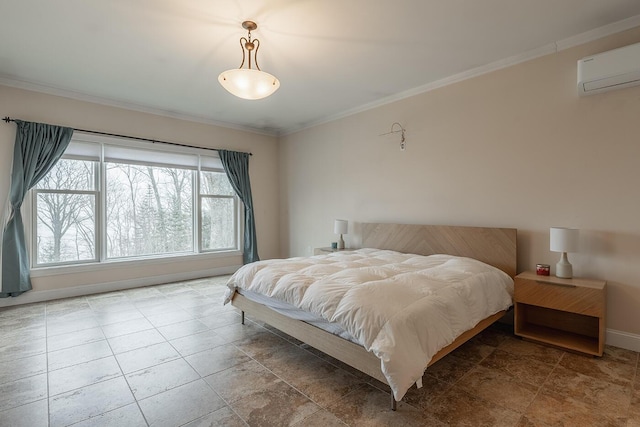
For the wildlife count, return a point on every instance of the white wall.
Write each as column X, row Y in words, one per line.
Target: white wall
column 512, row 148
column 32, row 106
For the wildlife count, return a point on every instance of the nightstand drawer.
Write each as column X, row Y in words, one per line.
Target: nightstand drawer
column 574, row 299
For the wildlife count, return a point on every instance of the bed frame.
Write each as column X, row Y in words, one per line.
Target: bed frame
column 494, row 246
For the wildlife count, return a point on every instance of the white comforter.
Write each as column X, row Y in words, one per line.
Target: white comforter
column 402, row 307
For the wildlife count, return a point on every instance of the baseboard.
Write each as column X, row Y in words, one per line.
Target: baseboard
column 622, row 339
column 76, row 291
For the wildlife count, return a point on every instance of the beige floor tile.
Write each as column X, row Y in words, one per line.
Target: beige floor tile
column 28, row 415
column 18, row 348
column 634, row 407
column 160, row 378
column 23, row 368
column 23, row 311
column 276, row 405
column 368, row 407
column 321, row 381
column 605, row 396
column 222, row 417
column 23, row 391
column 128, row 342
column 222, row 319
column 196, row 343
column 181, row 405
column 83, row 374
column 107, row 318
column 456, row 407
column 495, row 335
column 620, row 355
column 241, row 380
column 239, row 332
column 145, row 357
column 523, row 368
column 126, row 327
column 498, row 387
column 182, row 329
column 82, row 404
column 261, row 346
column 169, row 317
column 73, row 339
column 129, row 416
column 421, row 398
column 80, row 354
column 217, row 359
column 552, row 408
column 608, row 369
column 16, row 327
column 322, row 418
column 450, row 368
column 63, row 327
column 540, row 352
column 474, row 351
column 268, row 378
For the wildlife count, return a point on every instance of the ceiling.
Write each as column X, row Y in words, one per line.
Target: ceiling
column 332, row 57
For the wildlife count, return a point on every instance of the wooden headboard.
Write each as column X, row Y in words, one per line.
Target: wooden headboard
column 494, row 246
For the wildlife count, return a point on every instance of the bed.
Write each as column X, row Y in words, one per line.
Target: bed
column 384, row 245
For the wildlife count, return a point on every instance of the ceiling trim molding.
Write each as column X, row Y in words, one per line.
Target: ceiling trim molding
column 79, row 96
column 465, row 75
column 586, row 37
column 579, row 39
column 598, row 33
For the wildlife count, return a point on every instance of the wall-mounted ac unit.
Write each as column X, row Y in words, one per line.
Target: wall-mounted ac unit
column 610, row 70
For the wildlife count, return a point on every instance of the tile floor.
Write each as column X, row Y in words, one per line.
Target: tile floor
column 172, row 355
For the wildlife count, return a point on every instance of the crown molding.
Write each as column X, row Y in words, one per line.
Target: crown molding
column 79, row 96
column 550, row 48
column 465, row 75
column 598, row 33
column 586, row 37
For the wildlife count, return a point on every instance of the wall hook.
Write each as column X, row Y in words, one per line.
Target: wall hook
column 401, row 130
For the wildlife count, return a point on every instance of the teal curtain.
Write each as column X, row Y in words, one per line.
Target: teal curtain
column 37, row 148
column 236, row 165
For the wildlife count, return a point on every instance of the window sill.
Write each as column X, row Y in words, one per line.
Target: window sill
column 127, row 263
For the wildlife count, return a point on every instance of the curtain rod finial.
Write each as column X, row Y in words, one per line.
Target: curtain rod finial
column 7, row 119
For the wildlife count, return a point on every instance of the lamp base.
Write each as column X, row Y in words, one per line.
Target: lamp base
column 564, row 269
column 341, row 243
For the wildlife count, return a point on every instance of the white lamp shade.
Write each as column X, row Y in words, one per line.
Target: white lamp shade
column 248, row 83
column 341, row 226
column 563, row 239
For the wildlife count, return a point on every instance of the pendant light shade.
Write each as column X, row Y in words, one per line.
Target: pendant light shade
column 249, row 83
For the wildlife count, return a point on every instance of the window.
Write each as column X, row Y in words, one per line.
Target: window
column 107, row 201
column 66, row 200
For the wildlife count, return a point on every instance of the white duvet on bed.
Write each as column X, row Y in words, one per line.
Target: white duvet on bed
column 402, row 307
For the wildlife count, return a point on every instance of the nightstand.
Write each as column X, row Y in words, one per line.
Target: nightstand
column 566, row 313
column 324, row 251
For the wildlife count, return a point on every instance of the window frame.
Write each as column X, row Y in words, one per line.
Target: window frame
column 100, row 195
column 236, row 213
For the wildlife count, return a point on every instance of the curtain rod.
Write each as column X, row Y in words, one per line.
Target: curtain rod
column 8, row 119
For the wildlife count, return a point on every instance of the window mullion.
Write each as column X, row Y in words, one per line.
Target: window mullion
column 101, row 225
column 197, row 232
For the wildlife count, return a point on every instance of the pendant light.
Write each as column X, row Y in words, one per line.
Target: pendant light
column 249, row 83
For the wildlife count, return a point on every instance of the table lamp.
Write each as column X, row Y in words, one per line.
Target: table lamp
column 340, row 226
column 563, row 240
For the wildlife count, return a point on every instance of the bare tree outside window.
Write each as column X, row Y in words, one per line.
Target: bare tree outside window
column 66, row 205
column 218, row 211
column 148, row 210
